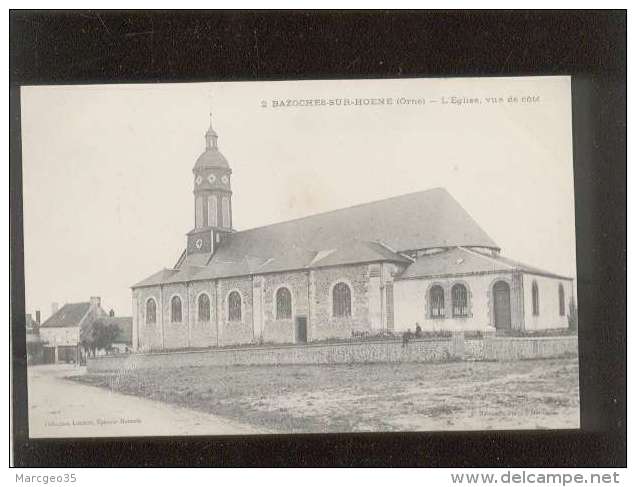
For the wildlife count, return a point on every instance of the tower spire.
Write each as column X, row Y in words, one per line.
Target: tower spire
column 211, row 136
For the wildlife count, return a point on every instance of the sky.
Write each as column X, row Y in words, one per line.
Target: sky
column 107, row 169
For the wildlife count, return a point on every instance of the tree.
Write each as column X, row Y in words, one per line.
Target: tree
column 98, row 336
column 573, row 316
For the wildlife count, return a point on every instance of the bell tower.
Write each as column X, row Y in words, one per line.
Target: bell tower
column 212, row 198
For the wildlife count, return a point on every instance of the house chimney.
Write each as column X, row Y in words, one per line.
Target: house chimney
column 95, row 301
column 37, row 316
column 111, row 313
column 54, row 308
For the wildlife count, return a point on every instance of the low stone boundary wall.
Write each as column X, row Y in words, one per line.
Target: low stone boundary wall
column 337, row 353
column 524, row 348
column 455, row 348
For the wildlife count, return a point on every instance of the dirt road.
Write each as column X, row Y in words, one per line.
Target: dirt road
column 64, row 408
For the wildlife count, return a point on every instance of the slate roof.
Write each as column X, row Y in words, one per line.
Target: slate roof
column 67, row 316
column 212, row 157
column 466, row 261
column 370, row 232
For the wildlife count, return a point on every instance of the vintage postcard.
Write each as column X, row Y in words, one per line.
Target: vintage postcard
column 300, row 257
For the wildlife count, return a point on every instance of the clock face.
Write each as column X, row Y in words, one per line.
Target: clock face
column 224, row 179
column 199, row 243
column 211, row 178
column 198, row 180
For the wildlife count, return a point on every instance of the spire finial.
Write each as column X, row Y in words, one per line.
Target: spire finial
column 210, row 106
column 210, row 135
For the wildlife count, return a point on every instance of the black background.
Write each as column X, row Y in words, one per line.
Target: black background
column 141, row 46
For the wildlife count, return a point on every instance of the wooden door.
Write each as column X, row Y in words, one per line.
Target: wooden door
column 301, row 329
column 501, row 296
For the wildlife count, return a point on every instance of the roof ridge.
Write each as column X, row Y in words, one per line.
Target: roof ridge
column 489, row 258
column 430, row 190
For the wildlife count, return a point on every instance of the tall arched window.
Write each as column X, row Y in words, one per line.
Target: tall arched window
column 204, row 307
column 175, row 309
column 151, row 311
column 234, row 306
column 283, row 304
column 198, row 212
column 225, row 211
column 460, row 301
column 436, row 300
column 535, row 298
column 561, row 300
column 341, row 300
column 212, row 211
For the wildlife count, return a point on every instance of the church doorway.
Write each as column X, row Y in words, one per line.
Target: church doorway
column 501, row 298
column 301, row 329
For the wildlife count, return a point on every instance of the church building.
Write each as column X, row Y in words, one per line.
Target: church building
column 376, row 267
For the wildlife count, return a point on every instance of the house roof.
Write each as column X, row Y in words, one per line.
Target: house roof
column 370, row 232
column 69, row 315
column 464, row 261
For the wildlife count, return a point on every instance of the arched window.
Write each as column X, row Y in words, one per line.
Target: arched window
column 341, row 300
column 436, row 300
column 198, row 213
column 460, row 301
column 535, row 298
column 283, row 304
column 151, row 311
column 212, row 211
column 175, row 309
column 234, row 306
column 561, row 300
column 225, row 210
column 204, row 307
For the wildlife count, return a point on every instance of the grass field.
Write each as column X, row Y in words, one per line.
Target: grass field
column 370, row 397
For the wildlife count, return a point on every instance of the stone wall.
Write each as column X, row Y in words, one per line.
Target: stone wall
column 175, row 332
column 149, row 335
column 341, row 353
column 311, row 298
column 312, row 295
column 235, row 332
column 522, row 348
column 323, row 324
column 202, row 333
column 347, row 353
column 283, row 330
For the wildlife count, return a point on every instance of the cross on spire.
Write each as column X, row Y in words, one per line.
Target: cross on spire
column 210, row 106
